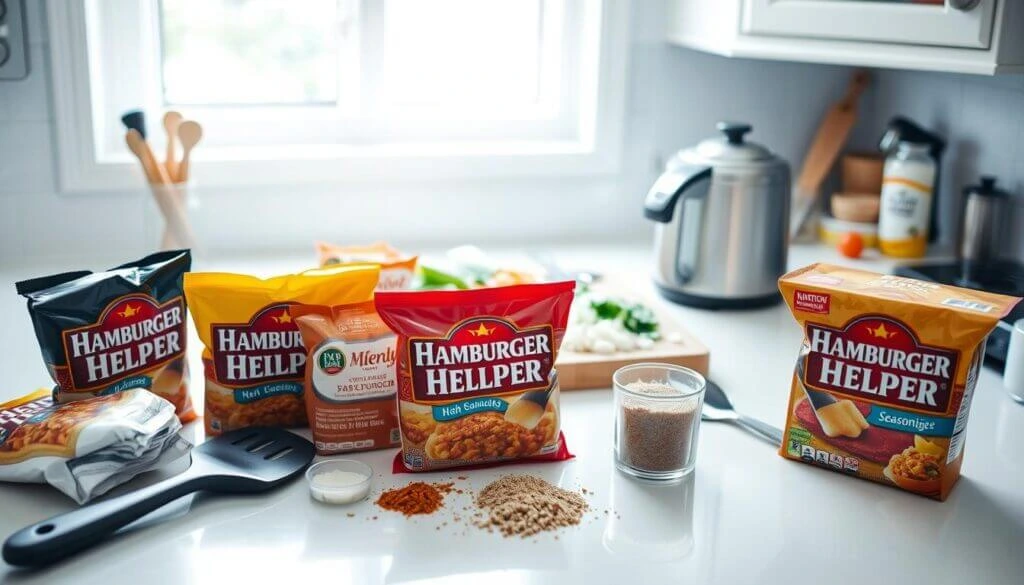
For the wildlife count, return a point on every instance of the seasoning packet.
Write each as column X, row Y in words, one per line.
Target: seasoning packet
column 87, row 447
column 107, row 332
column 350, row 377
column 397, row 270
column 254, row 361
column 476, row 377
column 883, row 385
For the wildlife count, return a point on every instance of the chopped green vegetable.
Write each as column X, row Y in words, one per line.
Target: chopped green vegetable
column 431, row 278
column 606, row 308
column 640, row 320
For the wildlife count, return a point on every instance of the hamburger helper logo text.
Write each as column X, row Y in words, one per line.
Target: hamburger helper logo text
column 133, row 334
column 480, row 356
column 268, row 348
column 878, row 358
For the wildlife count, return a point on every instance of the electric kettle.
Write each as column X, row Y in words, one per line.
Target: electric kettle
column 722, row 213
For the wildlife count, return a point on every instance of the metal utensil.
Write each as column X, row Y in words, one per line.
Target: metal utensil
column 248, row 460
column 718, row 408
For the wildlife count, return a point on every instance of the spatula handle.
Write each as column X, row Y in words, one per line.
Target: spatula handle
column 59, row 537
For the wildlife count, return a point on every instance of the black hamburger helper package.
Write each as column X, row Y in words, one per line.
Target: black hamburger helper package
column 102, row 333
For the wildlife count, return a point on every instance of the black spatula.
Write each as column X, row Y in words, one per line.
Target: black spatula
column 248, row 460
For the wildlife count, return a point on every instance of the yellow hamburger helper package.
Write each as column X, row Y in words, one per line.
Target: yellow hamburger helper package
column 254, row 360
column 883, row 384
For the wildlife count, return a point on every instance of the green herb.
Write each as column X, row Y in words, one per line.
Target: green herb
column 606, row 308
column 641, row 320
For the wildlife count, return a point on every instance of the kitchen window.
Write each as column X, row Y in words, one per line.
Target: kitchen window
column 334, row 91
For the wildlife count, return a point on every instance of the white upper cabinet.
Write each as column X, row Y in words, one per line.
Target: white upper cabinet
column 965, row 36
column 960, row 23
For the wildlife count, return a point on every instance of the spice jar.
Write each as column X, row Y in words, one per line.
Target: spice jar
column 657, row 416
column 908, row 189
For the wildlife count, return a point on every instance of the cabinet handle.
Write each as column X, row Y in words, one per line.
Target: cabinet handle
column 964, row 5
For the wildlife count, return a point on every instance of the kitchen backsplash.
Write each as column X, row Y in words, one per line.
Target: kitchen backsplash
column 982, row 119
column 675, row 97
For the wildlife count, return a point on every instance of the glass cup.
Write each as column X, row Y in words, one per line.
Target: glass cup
column 657, row 418
column 1013, row 375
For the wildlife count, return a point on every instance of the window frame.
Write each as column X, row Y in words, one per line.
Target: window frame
column 86, row 164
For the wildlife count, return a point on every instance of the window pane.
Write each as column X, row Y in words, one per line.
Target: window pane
column 249, row 51
column 462, row 52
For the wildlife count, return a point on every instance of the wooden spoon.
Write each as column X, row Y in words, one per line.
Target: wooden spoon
column 172, row 120
column 190, row 133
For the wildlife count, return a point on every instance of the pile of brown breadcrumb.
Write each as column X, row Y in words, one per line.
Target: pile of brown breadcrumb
column 523, row 505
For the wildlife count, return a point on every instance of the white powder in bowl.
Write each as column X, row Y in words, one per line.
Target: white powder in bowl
column 339, row 487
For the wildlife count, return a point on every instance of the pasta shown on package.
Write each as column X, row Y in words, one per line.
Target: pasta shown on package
column 883, row 384
column 87, row 447
column 107, row 332
column 254, row 361
column 350, row 377
column 397, row 270
column 476, row 376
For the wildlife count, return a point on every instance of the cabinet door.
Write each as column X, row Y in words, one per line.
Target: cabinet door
column 948, row 23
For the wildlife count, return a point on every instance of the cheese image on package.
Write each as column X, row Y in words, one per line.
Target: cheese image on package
column 883, row 384
column 254, row 360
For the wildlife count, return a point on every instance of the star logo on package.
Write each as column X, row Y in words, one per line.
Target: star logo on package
column 129, row 311
column 481, row 331
column 881, row 332
column 284, row 317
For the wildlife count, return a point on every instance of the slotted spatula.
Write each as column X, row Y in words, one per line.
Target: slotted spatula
column 248, row 460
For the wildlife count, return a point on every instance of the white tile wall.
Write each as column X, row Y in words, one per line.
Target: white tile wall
column 675, row 98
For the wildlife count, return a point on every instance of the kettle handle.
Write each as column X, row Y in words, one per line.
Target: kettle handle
column 670, row 186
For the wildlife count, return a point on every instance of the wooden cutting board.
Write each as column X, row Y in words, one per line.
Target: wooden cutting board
column 579, row 371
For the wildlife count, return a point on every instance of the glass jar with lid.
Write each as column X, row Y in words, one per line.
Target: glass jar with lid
column 908, row 189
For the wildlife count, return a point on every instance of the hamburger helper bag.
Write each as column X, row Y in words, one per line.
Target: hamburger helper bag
column 106, row 332
column 87, row 447
column 883, row 384
column 476, row 377
column 254, row 361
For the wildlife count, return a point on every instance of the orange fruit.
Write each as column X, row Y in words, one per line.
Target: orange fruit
column 851, row 245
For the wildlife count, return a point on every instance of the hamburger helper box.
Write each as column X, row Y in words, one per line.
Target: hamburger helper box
column 883, row 383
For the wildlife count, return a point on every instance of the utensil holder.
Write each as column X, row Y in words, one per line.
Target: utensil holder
column 168, row 215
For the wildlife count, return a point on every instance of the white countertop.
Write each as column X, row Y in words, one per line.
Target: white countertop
column 746, row 515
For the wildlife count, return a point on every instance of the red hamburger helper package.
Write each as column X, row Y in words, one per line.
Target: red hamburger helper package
column 476, row 377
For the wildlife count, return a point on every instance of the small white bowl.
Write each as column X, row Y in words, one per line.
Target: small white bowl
column 347, row 494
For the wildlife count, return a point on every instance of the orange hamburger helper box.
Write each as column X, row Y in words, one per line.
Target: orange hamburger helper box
column 883, row 384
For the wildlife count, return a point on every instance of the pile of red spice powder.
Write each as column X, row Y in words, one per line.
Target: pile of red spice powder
column 416, row 498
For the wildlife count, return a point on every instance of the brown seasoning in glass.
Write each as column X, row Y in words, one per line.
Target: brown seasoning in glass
column 656, row 438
